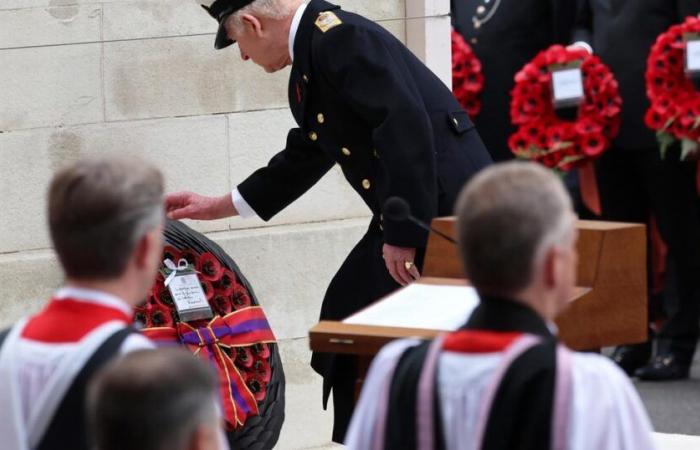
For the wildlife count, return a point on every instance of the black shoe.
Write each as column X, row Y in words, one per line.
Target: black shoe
column 664, row 367
column 632, row 357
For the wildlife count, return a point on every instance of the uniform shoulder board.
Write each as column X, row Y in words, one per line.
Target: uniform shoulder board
column 327, row 20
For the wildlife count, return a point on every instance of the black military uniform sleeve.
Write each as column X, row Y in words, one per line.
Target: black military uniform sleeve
column 687, row 8
column 583, row 30
column 288, row 175
column 563, row 17
column 370, row 75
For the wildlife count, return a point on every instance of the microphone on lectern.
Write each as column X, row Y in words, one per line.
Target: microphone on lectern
column 398, row 210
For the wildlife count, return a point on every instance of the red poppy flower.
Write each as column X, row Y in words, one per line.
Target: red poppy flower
column 593, row 144
column 191, row 257
column 257, row 386
column 162, row 296
column 240, row 297
column 208, row 288
column 141, row 316
column 261, row 350
column 226, row 283
column 160, row 316
column 244, row 358
column 171, row 253
column 263, row 370
column 221, row 304
column 467, row 79
column 210, row 267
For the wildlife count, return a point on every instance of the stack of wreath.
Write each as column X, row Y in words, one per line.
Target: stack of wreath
column 237, row 341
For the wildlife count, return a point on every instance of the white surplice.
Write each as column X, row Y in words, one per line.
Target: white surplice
column 606, row 412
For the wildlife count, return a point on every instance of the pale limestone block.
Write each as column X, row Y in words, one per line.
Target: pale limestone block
column 290, row 267
column 375, row 9
column 396, row 27
column 49, row 86
column 192, row 153
column 306, row 424
column 429, row 40
column 254, row 138
column 156, row 18
column 28, row 279
column 49, row 26
column 26, row 168
column 182, row 77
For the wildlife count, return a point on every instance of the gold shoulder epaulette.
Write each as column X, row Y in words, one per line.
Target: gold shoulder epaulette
column 327, row 20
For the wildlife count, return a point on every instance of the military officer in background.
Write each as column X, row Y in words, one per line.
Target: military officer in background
column 362, row 100
column 635, row 182
column 505, row 35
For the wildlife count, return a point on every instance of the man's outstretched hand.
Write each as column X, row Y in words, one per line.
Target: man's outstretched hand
column 188, row 205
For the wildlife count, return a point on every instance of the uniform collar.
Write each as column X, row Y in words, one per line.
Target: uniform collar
column 506, row 315
column 294, row 27
column 302, row 39
column 95, row 297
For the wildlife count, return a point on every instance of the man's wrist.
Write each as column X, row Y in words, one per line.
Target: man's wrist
column 225, row 206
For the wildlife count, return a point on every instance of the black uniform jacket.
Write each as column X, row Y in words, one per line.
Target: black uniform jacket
column 505, row 35
column 622, row 33
column 364, row 101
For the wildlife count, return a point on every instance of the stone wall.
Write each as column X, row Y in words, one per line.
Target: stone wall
column 82, row 77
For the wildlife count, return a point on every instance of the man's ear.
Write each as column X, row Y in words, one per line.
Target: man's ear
column 144, row 248
column 551, row 266
column 252, row 24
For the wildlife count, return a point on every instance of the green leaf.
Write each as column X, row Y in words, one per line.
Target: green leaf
column 688, row 147
column 665, row 141
column 696, row 124
column 668, row 123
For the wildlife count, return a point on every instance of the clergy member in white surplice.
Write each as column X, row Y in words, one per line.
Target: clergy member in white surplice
column 503, row 381
column 106, row 221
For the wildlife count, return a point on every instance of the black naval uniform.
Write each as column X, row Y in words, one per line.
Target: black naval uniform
column 364, row 101
column 633, row 180
column 505, row 35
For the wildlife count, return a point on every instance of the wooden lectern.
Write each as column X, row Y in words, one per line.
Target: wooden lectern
column 609, row 306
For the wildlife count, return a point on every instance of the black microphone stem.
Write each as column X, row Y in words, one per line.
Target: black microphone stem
column 429, row 229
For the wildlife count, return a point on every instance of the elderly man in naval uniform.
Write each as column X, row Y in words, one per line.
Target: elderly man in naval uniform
column 363, row 101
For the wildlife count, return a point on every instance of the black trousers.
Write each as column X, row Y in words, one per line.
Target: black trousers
column 634, row 185
column 361, row 280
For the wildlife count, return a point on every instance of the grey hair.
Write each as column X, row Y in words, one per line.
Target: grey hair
column 99, row 208
column 509, row 215
column 274, row 9
column 151, row 400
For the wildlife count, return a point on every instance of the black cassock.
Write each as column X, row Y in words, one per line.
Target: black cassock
column 505, row 35
column 362, row 100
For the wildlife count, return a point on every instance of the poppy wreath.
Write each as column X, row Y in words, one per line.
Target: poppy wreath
column 237, row 341
column 674, row 112
column 467, row 79
column 564, row 144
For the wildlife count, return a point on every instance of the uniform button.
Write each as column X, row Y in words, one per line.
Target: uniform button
column 320, row 118
column 313, row 136
column 305, row 78
column 375, row 153
column 346, row 151
column 481, row 9
column 366, row 184
column 474, row 41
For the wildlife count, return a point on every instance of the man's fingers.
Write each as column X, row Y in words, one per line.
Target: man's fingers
column 414, row 272
column 391, row 267
column 403, row 273
column 182, row 213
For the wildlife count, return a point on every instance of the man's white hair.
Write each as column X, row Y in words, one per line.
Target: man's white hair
column 274, row 9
